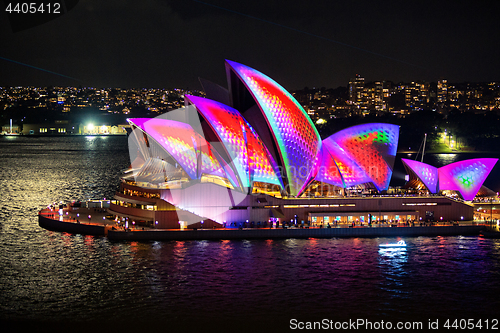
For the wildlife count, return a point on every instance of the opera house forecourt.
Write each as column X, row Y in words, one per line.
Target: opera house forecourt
column 249, row 156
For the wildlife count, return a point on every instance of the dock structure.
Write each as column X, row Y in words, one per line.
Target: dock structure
column 220, row 234
column 248, row 162
column 99, row 226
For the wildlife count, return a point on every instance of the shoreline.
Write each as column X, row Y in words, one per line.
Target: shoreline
column 429, row 151
column 55, row 135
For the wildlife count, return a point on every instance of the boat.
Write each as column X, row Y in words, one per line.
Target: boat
column 401, row 243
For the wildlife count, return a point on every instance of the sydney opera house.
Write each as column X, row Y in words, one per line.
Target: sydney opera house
column 249, row 155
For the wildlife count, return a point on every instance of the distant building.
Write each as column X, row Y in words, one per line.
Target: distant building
column 58, row 127
column 442, row 91
column 66, row 127
column 91, row 129
column 417, row 95
column 374, row 96
column 356, row 91
column 7, row 129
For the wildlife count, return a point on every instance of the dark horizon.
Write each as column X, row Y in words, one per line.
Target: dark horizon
column 161, row 43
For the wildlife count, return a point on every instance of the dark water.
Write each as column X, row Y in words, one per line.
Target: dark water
column 53, row 281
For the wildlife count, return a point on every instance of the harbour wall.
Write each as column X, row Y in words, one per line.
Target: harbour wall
column 74, row 228
column 219, row 234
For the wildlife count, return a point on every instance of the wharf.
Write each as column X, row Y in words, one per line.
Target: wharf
column 85, row 221
column 98, row 225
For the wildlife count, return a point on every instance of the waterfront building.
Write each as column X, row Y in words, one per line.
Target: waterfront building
column 104, row 129
column 67, row 127
column 249, row 155
column 10, row 129
column 57, row 127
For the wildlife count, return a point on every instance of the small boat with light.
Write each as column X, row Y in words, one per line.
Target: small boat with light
column 401, row 243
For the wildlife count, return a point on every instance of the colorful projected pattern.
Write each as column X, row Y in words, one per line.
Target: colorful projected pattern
column 467, row 176
column 262, row 164
column 294, row 133
column 250, row 157
column 329, row 172
column 184, row 145
column 351, row 173
column 425, row 172
column 373, row 148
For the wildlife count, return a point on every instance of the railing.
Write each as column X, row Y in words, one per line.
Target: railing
column 54, row 215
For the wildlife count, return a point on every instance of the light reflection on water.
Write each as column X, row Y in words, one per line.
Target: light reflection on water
column 445, row 159
column 63, row 277
column 392, row 263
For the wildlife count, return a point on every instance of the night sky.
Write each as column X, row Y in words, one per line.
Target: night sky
column 166, row 44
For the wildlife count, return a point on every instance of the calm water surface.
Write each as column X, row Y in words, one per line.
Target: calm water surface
column 53, row 281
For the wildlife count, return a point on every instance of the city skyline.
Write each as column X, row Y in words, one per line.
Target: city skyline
column 359, row 96
column 170, row 43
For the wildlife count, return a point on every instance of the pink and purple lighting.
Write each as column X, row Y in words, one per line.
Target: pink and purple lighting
column 351, row 173
column 467, row 176
column 294, row 133
column 425, row 172
column 184, row 145
column 250, row 157
column 353, row 156
column 329, row 171
column 369, row 147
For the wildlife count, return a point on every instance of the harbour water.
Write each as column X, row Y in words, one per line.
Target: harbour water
column 54, row 281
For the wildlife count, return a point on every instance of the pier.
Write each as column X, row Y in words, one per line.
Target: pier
column 77, row 221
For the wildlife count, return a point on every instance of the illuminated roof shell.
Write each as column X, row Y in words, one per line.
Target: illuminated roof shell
column 251, row 158
column 294, row 133
column 329, row 171
column 372, row 147
column 185, row 145
column 353, row 156
column 351, row 173
column 425, row 172
column 467, row 176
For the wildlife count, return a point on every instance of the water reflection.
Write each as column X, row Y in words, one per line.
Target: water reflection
column 179, row 251
column 89, row 242
column 393, row 268
column 391, row 251
column 463, row 243
column 441, row 241
column 70, row 278
column 394, row 256
column 444, row 159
